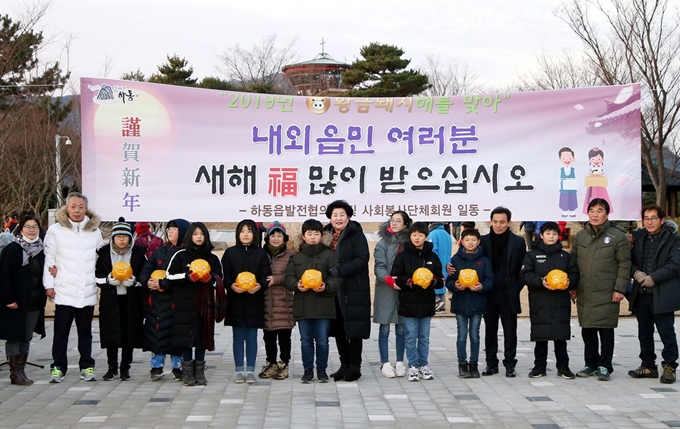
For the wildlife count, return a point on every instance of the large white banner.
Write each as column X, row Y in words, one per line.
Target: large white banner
column 154, row 152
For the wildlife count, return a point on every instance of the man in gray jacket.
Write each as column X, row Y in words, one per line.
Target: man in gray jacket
column 656, row 293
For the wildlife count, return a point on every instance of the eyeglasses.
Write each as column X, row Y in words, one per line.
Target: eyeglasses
column 29, row 227
column 172, row 228
column 651, row 219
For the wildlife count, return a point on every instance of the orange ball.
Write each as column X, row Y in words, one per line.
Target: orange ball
column 311, row 279
column 158, row 275
column 557, row 280
column 245, row 280
column 468, row 278
column 422, row 277
column 200, row 266
column 121, row 271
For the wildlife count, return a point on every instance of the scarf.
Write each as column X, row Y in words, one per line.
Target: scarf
column 31, row 247
column 275, row 250
column 121, row 255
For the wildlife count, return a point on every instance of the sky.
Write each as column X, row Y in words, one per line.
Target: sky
column 499, row 40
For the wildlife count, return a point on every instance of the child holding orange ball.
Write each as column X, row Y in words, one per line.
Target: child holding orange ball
column 468, row 299
column 549, row 308
column 245, row 303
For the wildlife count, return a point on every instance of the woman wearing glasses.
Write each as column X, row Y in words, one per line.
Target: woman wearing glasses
column 22, row 295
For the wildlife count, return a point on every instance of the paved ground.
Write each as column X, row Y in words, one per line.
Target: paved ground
column 373, row 401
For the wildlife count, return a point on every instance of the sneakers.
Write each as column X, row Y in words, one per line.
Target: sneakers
column 644, row 372
column 440, row 306
column 282, row 371
column 603, row 374
column 464, row 370
column 56, row 376
column 587, row 372
column 537, row 373
column 426, row 373
column 250, row 377
column 668, row 374
column 308, row 376
column 268, row 370
column 110, row 374
column 124, row 374
column 413, row 374
column 474, row 370
column 400, row 369
column 87, row 374
column 155, row 374
column 177, row 374
column 387, row 371
column 565, row 373
column 322, row 376
column 240, row 377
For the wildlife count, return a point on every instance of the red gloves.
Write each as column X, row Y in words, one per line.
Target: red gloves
column 207, row 277
column 409, row 283
column 194, row 277
column 389, row 281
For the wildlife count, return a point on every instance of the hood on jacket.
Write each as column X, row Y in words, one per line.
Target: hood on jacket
column 400, row 238
column 671, row 226
column 427, row 248
column 326, row 239
column 61, row 216
column 461, row 253
column 549, row 249
column 436, row 225
column 257, row 237
column 182, row 227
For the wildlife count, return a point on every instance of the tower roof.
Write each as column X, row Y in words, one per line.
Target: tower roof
column 321, row 59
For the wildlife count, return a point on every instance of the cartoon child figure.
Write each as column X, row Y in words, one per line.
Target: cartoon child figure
column 568, row 185
column 596, row 182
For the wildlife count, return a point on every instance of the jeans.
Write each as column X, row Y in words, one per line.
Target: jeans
column 468, row 324
column 417, row 340
column 188, row 354
column 383, row 336
column 248, row 336
column 314, row 331
column 63, row 319
column 644, row 311
column 158, row 361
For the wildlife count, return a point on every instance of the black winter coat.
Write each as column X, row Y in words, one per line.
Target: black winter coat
column 245, row 308
column 414, row 301
column 310, row 304
column 109, row 313
column 159, row 305
column 354, row 296
column 194, row 312
column 666, row 273
column 23, row 285
column 466, row 302
column 514, row 257
column 549, row 310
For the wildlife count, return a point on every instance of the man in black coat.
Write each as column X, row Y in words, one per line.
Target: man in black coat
column 506, row 252
column 656, row 293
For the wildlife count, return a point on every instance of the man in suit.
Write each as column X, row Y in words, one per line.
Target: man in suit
column 506, row 252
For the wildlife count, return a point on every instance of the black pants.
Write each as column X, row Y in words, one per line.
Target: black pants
column 124, row 329
column 270, row 337
column 63, row 319
column 125, row 358
column 349, row 349
column 499, row 307
column 644, row 311
column 541, row 354
column 593, row 354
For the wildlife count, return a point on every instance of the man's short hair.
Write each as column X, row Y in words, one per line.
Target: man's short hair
column 76, row 195
column 501, row 210
column 659, row 211
column 471, row 231
column 550, row 226
column 599, row 202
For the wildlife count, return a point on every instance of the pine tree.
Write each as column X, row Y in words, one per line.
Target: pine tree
column 174, row 72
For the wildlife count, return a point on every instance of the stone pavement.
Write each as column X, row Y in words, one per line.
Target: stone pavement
column 373, row 401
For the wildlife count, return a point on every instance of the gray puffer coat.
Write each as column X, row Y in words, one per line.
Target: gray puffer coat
column 386, row 299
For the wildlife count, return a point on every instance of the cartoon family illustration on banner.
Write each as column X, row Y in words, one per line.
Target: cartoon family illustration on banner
column 596, row 182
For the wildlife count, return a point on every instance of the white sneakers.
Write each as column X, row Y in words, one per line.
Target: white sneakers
column 426, row 373
column 387, row 371
column 390, row 372
column 413, row 374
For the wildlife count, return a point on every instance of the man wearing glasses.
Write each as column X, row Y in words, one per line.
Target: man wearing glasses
column 656, row 293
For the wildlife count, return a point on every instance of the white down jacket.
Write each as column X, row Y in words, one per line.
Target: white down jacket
column 72, row 247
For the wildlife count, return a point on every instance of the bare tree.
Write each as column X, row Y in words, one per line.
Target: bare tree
column 258, row 68
column 640, row 44
column 560, row 71
column 449, row 78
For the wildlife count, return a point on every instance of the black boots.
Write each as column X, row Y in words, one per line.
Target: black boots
column 352, row 373
column 188, row 377
column 199, row 373
column 340, row 373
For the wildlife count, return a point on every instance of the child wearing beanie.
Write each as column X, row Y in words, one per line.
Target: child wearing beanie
column 121, row 316
column 278, row 305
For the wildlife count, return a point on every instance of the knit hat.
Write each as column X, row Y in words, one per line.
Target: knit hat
column 142, row 227
column 121, row 228
column 276, row 226
column 339, row 204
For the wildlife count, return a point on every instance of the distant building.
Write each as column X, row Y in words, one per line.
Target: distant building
column 320, row 76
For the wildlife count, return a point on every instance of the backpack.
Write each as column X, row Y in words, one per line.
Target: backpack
column 150, row 242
